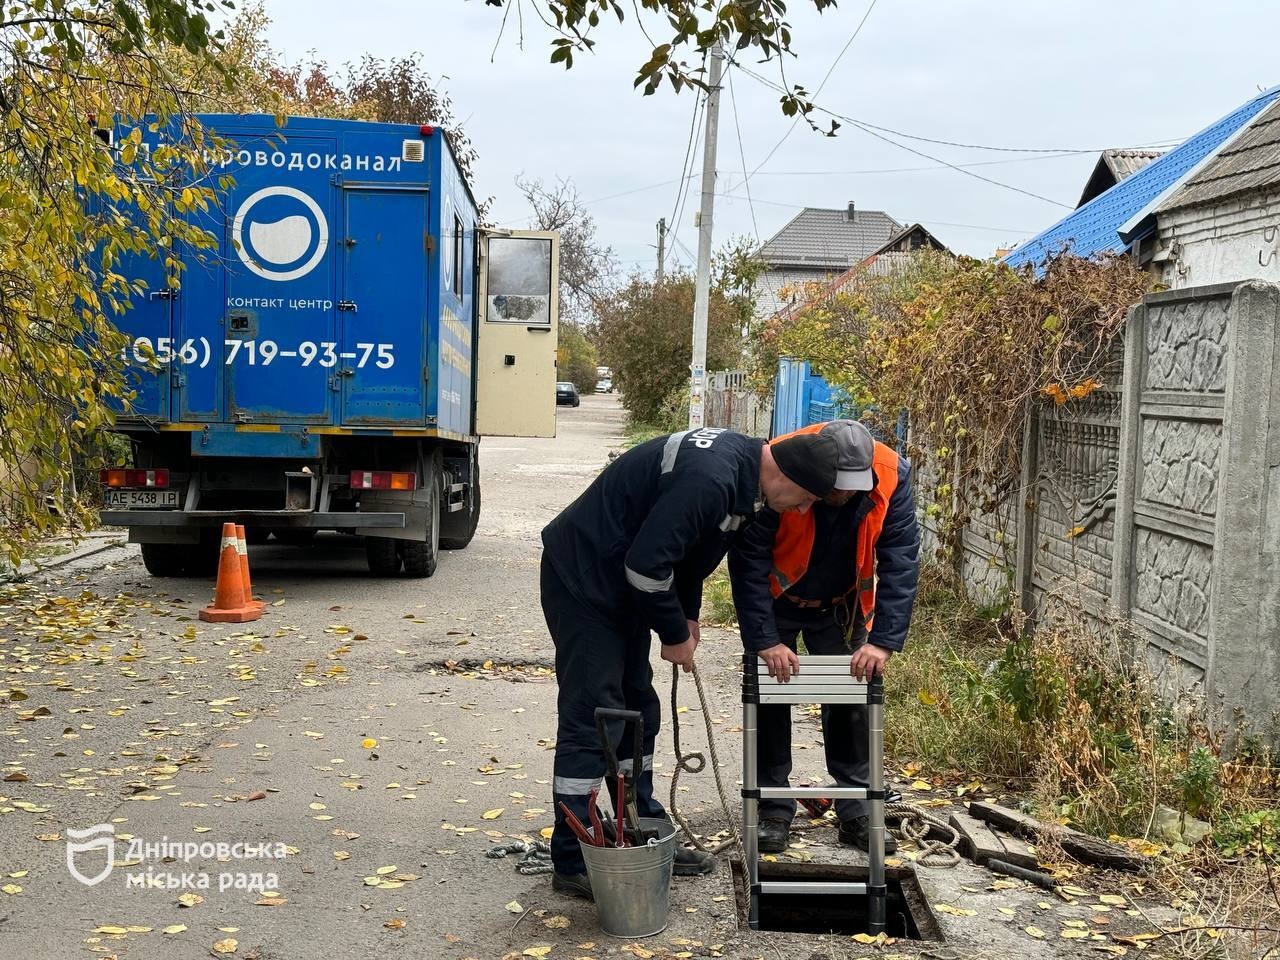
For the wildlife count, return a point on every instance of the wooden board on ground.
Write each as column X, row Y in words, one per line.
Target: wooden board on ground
column 1079, row 845
column 980, row 843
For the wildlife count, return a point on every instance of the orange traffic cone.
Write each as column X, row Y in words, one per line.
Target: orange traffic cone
column 242, row 547
column 228, row 600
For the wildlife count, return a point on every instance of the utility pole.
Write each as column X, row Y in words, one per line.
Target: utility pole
column 662, row 246
column 702, row 291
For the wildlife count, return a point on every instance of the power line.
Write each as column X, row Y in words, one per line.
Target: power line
column 686, row 168
column 920, row 153
column 949, row 143
column 746, row 180
column 857, row 30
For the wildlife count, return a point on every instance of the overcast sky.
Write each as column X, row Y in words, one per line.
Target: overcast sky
column 1034, row 74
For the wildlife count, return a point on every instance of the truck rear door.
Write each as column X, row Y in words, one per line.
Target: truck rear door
column 280, row 347
column 516, row 350
column 148, row 324
column 383, row 307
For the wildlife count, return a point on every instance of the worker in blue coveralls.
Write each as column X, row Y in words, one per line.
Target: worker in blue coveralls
column 842, row 577
column 628, row 558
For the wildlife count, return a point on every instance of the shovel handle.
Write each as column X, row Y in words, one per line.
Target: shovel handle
column 636, row 719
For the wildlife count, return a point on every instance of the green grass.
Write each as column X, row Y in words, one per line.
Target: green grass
column 638, row 433
column 1059, row 716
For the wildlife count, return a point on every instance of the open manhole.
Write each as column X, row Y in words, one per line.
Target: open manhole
column 908, row 915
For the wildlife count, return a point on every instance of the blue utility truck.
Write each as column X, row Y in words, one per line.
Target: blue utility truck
column 333, row 363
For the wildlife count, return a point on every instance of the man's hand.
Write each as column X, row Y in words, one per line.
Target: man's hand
column 681, row 653
column 868, row 661
column 782, row 662
column 695, row 630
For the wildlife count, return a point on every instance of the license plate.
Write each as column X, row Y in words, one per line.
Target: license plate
column 139, row 499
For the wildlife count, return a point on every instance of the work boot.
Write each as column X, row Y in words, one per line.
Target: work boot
column 854, row 833
column 572, row 884
column 692, row 863
column 773, row 835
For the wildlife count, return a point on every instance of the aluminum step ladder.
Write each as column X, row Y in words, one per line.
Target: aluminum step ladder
column 823, row 680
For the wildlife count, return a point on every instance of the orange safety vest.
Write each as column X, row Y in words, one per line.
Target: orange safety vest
column 793, row 544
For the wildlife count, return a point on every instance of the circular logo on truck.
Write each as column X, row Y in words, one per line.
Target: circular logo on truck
column 280, row 233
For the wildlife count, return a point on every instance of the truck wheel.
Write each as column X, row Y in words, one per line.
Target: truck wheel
column 383, row 557
column 421, row 556
column 457, row 529
column 165, row 559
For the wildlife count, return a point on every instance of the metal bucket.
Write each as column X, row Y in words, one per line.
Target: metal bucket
column 632, row 885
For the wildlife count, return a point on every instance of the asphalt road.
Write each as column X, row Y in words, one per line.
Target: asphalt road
column 377, row 736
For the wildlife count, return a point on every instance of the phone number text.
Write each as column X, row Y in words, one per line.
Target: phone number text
column 198, row 352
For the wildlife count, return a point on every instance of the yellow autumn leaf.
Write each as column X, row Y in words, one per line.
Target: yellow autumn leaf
column 558, row 922
column 368, row 743
column 955, row 911
column 927, row 698
column 514, row 907
column 1073, row 934
column 1114, row 899
column 226, row 946
column 394, row 924
column 537, row 951
column 546, row 832
column 921, row 785
column 383, row 871
column 190, row 899
column 12, row 889
column 493, row 814
column 1036, row 932
column 112, row 930
column 174, row 928
column 867, row 938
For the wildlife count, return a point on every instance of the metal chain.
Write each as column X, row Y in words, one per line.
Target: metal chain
column 535, row 859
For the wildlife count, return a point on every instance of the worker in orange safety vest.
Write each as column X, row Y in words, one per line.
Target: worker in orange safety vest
column 843, row 577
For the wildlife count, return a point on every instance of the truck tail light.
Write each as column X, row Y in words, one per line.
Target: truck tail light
column 119, row 477
column 383, row 480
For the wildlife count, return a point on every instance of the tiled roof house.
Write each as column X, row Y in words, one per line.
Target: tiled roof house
column 818, row 244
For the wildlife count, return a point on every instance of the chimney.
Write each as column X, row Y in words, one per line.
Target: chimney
column 852, row 212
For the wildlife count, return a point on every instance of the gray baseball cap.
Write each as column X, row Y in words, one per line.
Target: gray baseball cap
column 855, row 451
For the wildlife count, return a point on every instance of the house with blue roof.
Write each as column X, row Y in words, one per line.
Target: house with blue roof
column 1124, row 217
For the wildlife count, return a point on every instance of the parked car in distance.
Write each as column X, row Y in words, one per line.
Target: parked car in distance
column 604, row 385
column 567, row 394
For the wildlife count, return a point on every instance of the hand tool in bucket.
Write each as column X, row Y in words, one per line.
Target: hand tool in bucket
column 595, row 837
column 625, row 801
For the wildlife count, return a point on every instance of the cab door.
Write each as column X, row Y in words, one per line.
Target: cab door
column 516, row 345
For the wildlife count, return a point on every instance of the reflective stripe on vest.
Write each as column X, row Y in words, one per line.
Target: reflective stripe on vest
column 793, row 544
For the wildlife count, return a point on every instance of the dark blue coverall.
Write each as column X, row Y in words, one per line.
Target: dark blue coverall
column 628, row 557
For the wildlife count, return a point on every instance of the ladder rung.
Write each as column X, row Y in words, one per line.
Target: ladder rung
column 800, row 886
column 824, row 660
column 796, row 793
column 815, row 687
column 840, row 669
column 813, row 697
